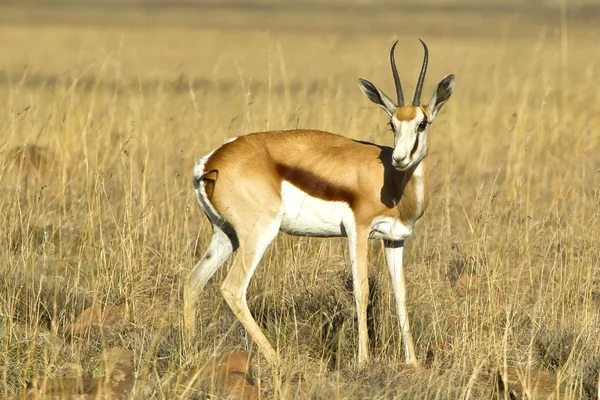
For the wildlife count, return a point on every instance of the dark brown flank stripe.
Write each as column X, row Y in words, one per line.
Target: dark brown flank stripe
column 314, row 185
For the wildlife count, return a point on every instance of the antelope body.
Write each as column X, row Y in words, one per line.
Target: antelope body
column 314, row 183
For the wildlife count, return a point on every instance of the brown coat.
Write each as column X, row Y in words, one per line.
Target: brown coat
column 324, row 165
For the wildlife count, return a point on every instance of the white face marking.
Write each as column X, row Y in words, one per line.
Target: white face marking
column 304, row 215
column 410, row 142
column 389, row 228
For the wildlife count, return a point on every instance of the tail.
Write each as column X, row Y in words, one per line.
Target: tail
column 199, row 178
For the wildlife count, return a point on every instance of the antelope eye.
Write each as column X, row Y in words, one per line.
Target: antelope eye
column 422, row 126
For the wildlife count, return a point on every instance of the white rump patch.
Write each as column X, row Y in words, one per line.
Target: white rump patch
column 199, row 167
column 304, row 215
column 208, row 208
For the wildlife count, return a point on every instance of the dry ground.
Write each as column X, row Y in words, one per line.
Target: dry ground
column 503, row 270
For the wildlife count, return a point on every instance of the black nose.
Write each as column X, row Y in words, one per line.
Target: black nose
column 398, row 160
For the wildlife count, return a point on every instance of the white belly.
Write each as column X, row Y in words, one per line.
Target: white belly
column 304, row 215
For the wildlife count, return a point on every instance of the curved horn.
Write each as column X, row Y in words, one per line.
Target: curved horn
column 417, row 100
column 399, row 93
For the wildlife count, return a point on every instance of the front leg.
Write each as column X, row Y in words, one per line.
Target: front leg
column 393, row 255
column 357, row 246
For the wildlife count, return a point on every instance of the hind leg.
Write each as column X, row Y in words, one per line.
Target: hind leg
column 220, row 248
column 252, row 247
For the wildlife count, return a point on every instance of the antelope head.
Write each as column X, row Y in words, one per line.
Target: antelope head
column 409, row 123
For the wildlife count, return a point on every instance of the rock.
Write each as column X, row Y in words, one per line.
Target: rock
column 117, row 384
column 109, row 318
column 521, row 383
column 119, row 368
column 227, row 376
column 71, row 370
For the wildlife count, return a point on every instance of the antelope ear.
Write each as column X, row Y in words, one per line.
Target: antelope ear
column 441, row 95
column 377, row 96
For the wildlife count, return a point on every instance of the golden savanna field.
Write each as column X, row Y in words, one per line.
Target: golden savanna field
column 105, row 107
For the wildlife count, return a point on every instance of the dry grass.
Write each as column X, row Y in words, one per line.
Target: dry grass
column 503, row 270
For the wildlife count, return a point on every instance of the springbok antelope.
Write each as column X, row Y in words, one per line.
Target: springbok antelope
column 313, row 183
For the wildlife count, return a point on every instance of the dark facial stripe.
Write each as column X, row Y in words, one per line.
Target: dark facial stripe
column 314, row 185
column 415, row 147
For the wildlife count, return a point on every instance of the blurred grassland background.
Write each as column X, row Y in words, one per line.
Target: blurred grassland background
column 105, row 106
